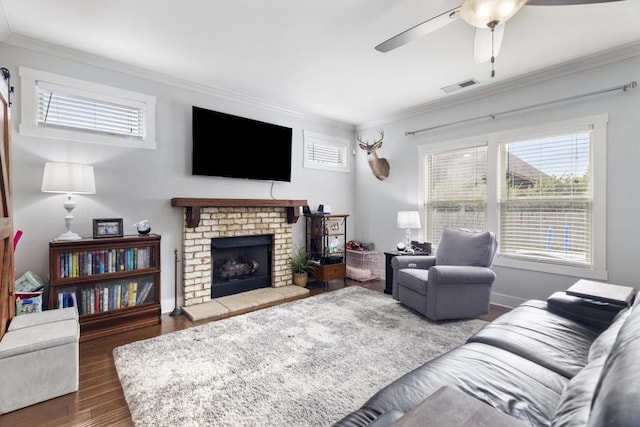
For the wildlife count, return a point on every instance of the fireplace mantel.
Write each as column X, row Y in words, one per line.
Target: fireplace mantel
column 193, row 206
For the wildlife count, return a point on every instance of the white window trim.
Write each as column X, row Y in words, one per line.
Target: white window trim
column 599, row 156
column 328, row 140
column 28, row 120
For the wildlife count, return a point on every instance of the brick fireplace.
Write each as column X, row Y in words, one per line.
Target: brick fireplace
column 207, row 219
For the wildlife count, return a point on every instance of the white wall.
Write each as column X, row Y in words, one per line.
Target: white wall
column 377, row 202
column 136, row 184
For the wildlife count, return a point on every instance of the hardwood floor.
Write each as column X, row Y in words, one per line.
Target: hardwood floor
column 100, row 400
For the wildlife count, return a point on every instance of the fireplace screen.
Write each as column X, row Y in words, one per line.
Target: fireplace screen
column 240, row 264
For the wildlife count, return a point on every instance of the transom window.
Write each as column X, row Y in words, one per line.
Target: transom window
column 325, row 152
column 61, row 107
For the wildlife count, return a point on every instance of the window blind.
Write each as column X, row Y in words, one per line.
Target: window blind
column 456, row 190
column 546, row 199
column 68, row 108
column 326, row 153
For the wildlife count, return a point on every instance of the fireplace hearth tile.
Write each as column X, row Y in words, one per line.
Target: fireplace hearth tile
column 206, row 310
column 291, row 291
column 244, row 302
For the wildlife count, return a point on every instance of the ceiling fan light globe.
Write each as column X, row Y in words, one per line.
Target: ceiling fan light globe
column 488, row 13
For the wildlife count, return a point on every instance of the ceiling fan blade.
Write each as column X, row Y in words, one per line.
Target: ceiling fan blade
column 565, row 2
column 482, row 43
column 419, row 30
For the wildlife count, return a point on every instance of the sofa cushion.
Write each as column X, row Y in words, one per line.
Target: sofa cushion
column 464, row 247
column 506, row 381
column 575, row 403
column 559, row 344
column 616, row 397
column 414, row 279
column 603, row 344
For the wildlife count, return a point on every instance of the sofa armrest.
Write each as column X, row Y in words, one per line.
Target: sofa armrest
column 590, row 312
column 461, row 275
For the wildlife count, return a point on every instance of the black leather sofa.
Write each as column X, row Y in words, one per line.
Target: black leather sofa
column 562, row 362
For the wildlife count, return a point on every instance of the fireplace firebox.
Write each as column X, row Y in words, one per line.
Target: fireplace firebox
column 240, row 264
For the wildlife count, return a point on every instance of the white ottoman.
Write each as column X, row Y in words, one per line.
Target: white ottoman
column 39, row 361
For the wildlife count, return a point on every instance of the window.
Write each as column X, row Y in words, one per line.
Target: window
column 456, row 190
column 325, row 152
column 55, row 106
column 545, row 199
column 542, row 190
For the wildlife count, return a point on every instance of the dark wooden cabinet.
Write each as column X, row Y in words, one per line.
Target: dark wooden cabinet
column 326, row 244
column 114, row 282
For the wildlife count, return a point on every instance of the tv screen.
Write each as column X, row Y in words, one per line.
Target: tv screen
column 237, row 147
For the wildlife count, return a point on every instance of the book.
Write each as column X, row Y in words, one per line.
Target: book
column 605, row 292
column 142, row 295
column 118, row 291
column 132, row 294
column 125, row 295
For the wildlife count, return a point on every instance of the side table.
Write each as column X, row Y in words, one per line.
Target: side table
column 388, row 270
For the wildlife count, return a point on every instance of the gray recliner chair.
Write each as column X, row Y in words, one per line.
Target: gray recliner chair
column 453, row 284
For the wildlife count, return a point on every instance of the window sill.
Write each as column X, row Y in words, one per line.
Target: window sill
column 584, row 272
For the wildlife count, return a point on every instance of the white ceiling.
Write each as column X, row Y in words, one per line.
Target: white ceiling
column 316, row 57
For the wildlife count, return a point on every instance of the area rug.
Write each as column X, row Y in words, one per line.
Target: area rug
column 304, row 363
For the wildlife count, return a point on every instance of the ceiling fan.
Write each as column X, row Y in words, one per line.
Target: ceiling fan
column 488, row 16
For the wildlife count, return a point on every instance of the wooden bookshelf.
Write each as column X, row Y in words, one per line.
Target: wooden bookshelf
column 114, row 282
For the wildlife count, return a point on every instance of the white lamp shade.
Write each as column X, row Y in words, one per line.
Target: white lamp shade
column 68, row 178
column 408, row 219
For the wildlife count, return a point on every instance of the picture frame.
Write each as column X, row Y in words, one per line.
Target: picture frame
column 107, row 227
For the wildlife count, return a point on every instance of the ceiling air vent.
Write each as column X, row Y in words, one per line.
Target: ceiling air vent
column 461, row 85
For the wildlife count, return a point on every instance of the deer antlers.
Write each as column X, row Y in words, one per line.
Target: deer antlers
column 371, row 147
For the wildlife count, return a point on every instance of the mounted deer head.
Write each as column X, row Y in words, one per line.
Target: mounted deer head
column 379, row 166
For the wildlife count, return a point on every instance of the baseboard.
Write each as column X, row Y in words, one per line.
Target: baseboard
column 505, row 300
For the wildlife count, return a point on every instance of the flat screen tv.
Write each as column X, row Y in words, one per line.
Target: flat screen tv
column 237, row 147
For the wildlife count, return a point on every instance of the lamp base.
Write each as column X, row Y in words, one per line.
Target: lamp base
column 69, row 235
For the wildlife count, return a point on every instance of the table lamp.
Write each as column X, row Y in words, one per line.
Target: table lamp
column 408, row 220
column 70, row 178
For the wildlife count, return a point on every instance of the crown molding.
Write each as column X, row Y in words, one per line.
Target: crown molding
column 630, row 50
column 581, row 64
column 113, row 65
